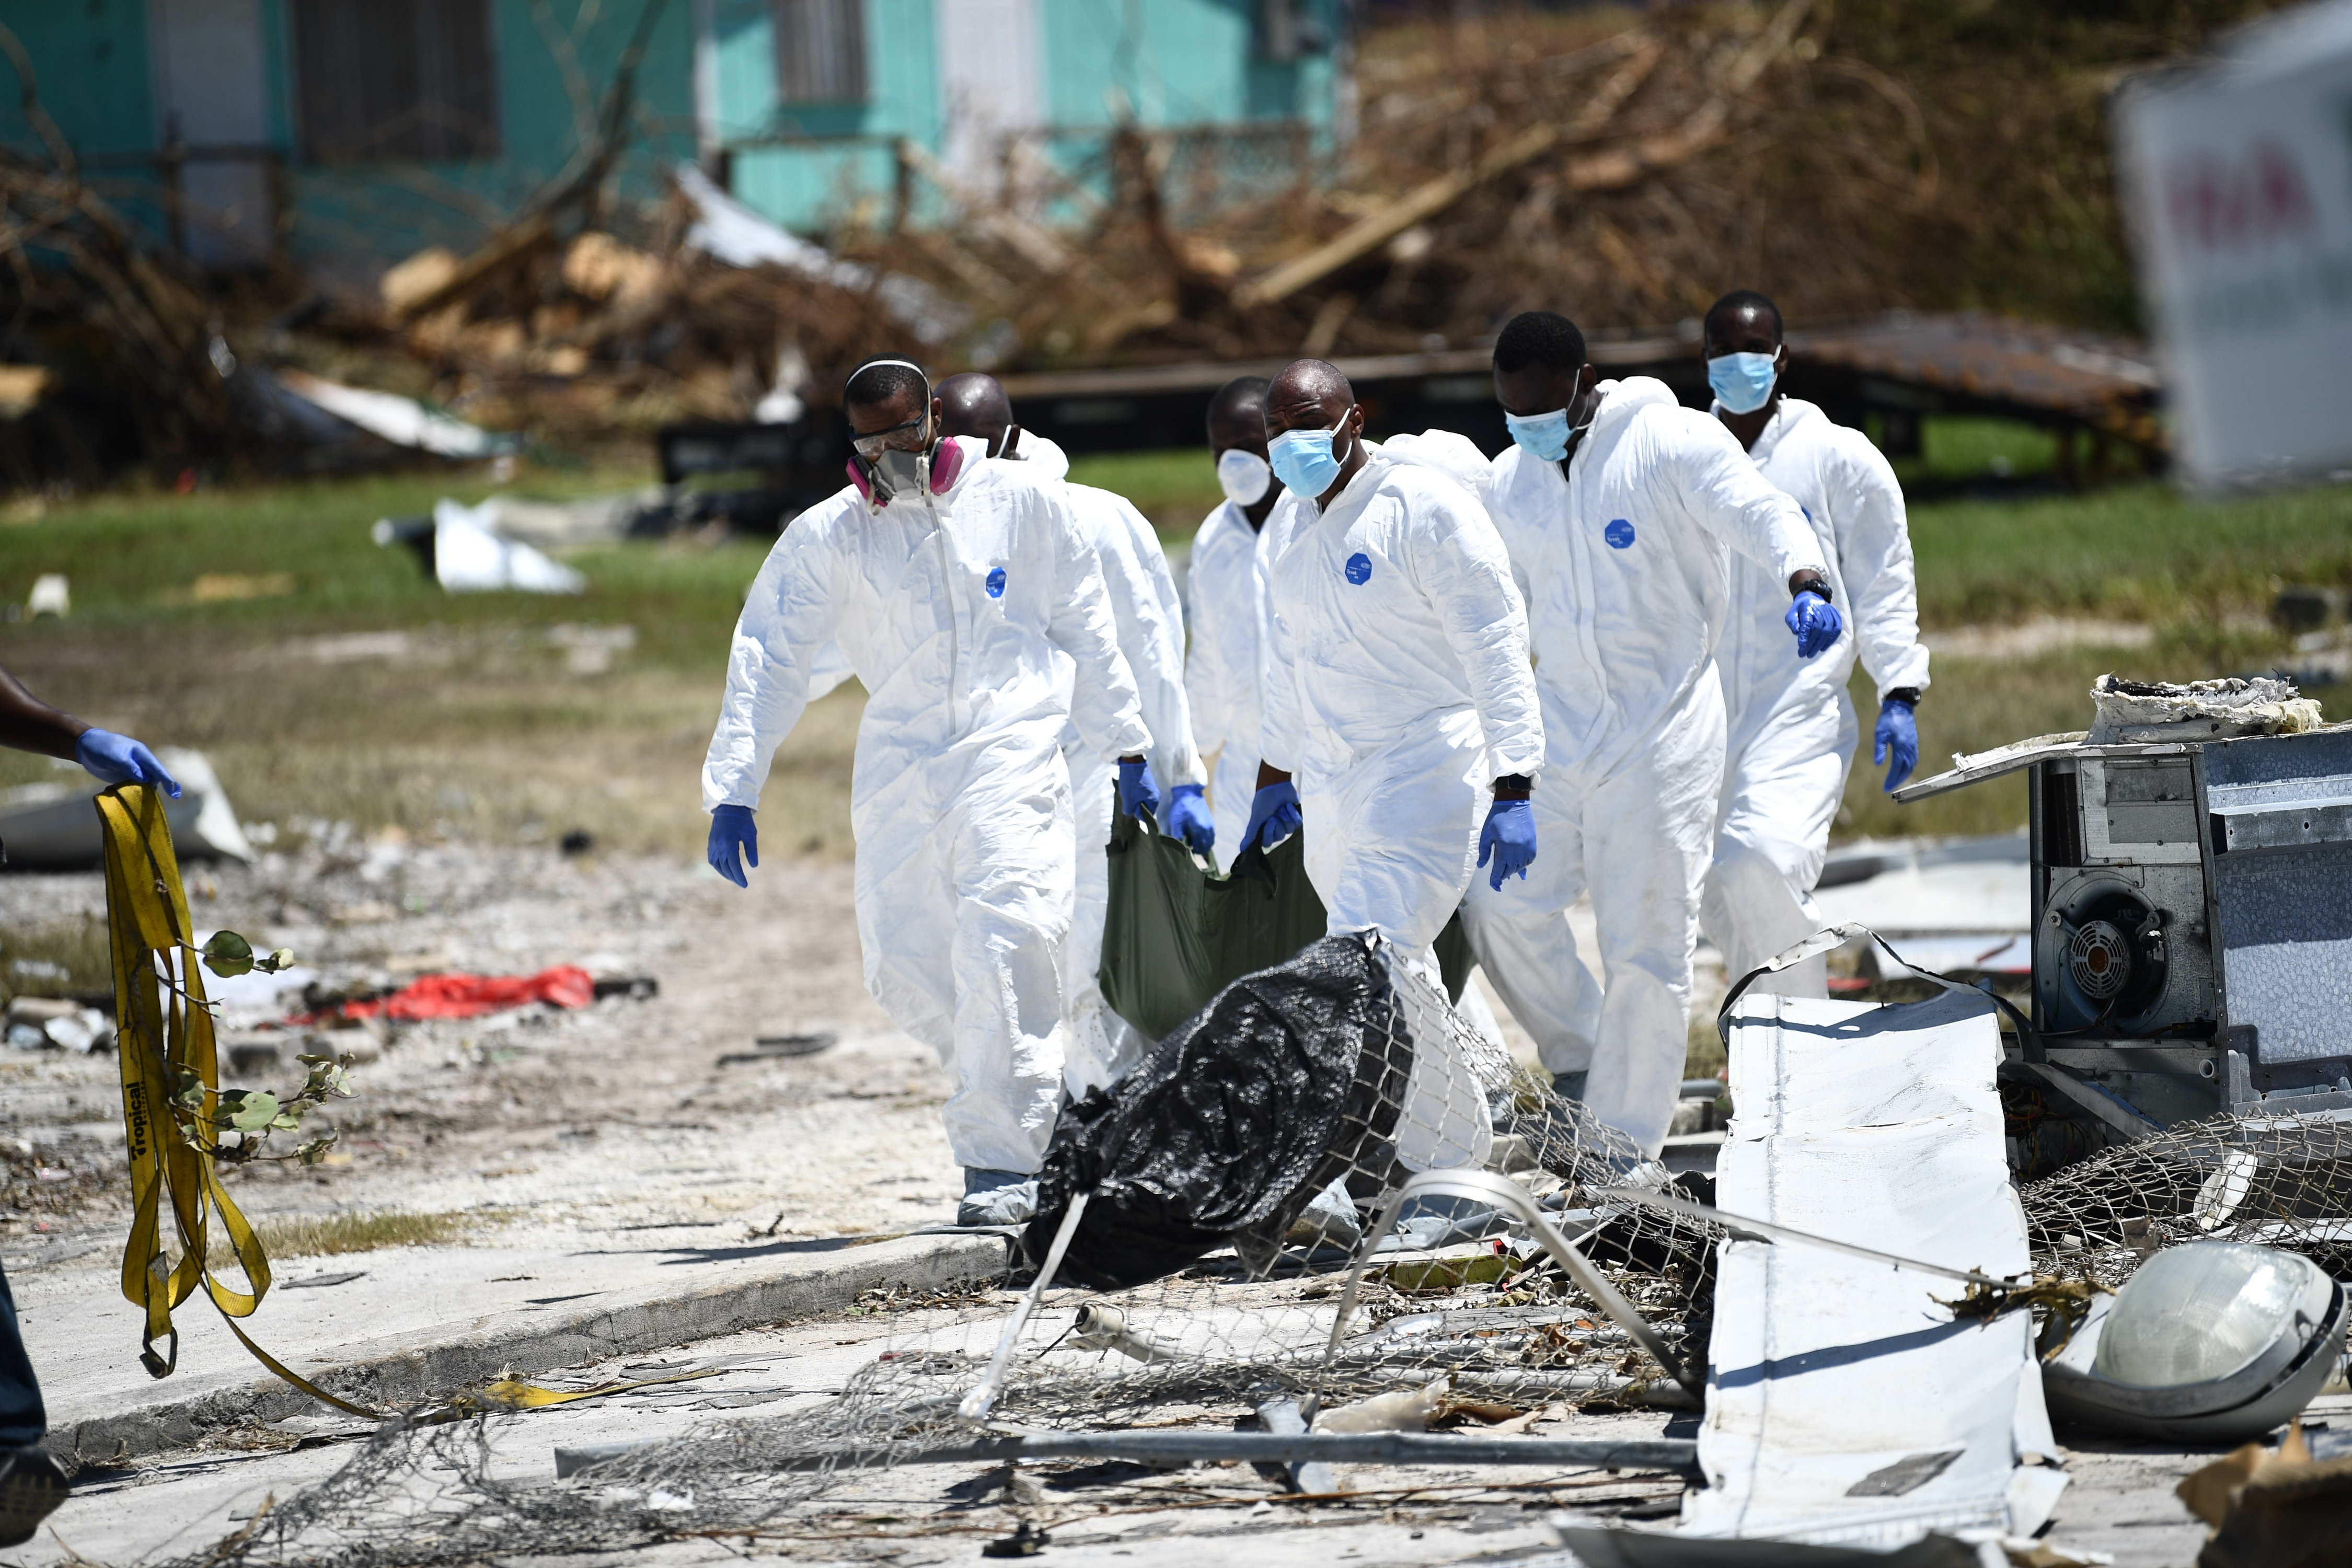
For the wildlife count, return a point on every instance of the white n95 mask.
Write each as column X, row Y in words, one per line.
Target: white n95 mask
column 1245, row 477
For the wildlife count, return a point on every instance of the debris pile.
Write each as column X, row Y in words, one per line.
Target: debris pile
column 1632, row 165
column 1447, row 1314
column 122, row 343
column 2274, row 1180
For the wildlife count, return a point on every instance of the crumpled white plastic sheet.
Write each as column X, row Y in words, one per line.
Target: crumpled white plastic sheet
column 467, row 557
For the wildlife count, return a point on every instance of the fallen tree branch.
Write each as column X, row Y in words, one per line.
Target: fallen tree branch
column 1607, row 171
column 1370, row 232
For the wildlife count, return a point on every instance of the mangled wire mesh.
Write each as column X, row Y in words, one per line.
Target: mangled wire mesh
column 1455, row 1301
column 2282, row 1181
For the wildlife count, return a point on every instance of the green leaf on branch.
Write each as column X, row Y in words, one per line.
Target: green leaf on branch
column 256, row 1110
column 228, row 956
column 329, row 1075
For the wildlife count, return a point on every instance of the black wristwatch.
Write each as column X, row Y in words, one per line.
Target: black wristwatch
column 1906, row 695
column 1520, row 785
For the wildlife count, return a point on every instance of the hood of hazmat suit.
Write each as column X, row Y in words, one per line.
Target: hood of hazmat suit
column 1446, row 452
column 1228, row 585
column 962, row 613
column 1790, row 724
column 1624, row 562
column 1044, row 454
column 1397, row 689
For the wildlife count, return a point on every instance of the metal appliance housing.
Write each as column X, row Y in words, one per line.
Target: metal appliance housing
column 2192, row 922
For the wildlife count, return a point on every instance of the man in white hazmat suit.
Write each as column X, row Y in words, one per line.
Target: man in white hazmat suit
column 1618, row 507
column 1791, row 724
column 1397, row 690
column 1227, row 591
column 952, row 584
column 1149, row 622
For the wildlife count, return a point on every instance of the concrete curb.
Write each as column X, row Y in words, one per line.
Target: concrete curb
column 412, row 1369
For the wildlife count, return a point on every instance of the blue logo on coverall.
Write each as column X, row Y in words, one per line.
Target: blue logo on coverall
column 996, row 583
column 1360, row 568
column 1619, row 534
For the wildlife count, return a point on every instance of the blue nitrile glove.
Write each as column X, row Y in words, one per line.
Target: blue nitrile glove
column 1897, row 736
column 1815, row 621
column 1189, row 819
column 117, row 758
column 1139, row 792
column 734, row 840
column 1273, row 815
column 1509, row 837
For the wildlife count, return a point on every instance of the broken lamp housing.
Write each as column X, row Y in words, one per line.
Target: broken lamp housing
column 2215, row 1341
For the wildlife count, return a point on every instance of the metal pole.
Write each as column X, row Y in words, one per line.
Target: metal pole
column 1505, row 1194
column 983, row 1399
column 1678, row 1456
column 1747, row 1229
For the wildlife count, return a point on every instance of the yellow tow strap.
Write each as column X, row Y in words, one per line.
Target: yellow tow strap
column 163, row 1030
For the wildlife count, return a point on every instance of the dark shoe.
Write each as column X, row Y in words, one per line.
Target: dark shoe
column 32, row 1484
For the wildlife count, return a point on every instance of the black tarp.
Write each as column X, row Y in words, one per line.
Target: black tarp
column 1232, row 1123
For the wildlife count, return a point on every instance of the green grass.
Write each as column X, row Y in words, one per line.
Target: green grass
column 132, row 558
column 1952, row 447
column 1174, row 489
column 482, row 729
column 2141, row 551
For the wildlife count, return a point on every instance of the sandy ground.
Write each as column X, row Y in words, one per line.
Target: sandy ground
column 539, row 1124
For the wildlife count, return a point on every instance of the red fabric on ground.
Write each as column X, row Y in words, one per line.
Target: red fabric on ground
column 471, row 995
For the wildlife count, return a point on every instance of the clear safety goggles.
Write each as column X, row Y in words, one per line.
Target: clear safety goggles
column 911, row 436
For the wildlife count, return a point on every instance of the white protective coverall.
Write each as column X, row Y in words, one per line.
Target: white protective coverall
column 1623, row 567
column 1397, row 689
column 1791, row 724
column 953, row 613
column 1228, row 584
column 1149, row 618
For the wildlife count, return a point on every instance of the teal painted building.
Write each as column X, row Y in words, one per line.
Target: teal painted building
column 346, row 132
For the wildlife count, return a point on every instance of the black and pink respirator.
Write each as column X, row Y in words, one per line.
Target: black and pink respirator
column 884, row 472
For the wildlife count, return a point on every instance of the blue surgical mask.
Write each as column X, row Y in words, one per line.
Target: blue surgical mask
column 1742, row 382
column 1303, row 460
column 1543, row 436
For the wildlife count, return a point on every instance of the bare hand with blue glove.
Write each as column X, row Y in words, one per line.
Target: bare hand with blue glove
column 1273, row 815
column 1816, row 623
column 1189, row 818
column 1897, row 737
column 1139, row 792
column 117, row 758
column 29, row 724
column 1509, row 839
column 734, row 840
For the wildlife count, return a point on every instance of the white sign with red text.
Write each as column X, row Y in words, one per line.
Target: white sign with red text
column 2237, row 183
